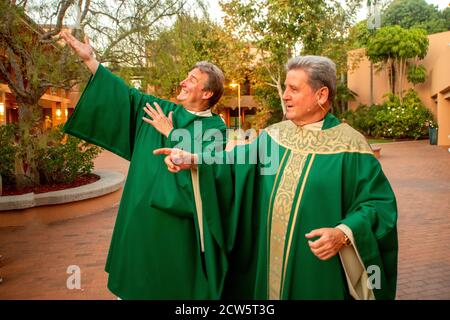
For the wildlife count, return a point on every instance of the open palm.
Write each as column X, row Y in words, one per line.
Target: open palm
column 83, row 50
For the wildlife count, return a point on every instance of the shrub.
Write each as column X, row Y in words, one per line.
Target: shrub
column 392, row 119
column 362, row 119
column 402, row 120
column 8, row 151
column 65, row 158
column 60, row 158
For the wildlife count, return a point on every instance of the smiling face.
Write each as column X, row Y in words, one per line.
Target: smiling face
column 192, row 95
column 302, row 101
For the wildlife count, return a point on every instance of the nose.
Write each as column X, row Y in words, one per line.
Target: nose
column 182, row 83
column 286, row 95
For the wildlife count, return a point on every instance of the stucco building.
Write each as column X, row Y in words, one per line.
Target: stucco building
column 434, row 92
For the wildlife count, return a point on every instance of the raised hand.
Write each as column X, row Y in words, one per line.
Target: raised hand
column 83, row 50
column 158, row 119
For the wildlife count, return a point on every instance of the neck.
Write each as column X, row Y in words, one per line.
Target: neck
column 195, row 107
column 312, row 119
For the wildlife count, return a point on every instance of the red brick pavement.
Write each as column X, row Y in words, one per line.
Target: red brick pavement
column 37, row 254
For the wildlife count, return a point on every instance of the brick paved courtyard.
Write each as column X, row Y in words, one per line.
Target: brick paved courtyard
column 39, row 244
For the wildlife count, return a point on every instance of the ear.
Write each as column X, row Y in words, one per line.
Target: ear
column 323, row 95
column 207, row 94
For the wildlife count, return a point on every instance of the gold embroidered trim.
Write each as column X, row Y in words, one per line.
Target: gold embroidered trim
column 269, row 215
column 341, row 138
column 281, row 212
column 294, row 222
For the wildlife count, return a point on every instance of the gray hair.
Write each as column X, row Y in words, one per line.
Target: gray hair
column 321, row 72
column 215, row 80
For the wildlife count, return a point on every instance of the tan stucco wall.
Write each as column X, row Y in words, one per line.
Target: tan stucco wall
column 431, row 92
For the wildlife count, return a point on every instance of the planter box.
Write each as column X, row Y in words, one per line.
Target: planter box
column 433, row 135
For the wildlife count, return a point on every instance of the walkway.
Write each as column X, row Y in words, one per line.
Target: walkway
column 38, row 253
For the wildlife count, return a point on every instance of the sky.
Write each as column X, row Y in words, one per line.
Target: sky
column 216, row 13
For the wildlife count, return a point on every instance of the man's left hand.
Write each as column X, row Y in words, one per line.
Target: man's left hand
column 158, row 119
column 329, row 243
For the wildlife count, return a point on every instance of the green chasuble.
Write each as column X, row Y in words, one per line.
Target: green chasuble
column 293, row 181
column 155, row 251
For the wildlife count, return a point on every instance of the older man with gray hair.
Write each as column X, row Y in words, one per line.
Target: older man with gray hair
column 321, row 226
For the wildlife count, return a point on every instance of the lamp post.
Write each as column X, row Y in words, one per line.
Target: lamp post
column 234, row 85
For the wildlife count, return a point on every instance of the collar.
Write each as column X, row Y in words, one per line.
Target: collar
column 204, row 113
column 316, row 126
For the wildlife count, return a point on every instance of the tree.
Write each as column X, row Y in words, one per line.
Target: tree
column 32, row 59
column 415, row 14
column 31, row 63
column 394, row 47
column 187, row 41
column 280, row 29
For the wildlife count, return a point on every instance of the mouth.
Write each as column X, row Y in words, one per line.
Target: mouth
column 183, row 93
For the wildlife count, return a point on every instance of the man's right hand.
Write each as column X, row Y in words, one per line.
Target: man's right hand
column 177, row 159
column 83, row 50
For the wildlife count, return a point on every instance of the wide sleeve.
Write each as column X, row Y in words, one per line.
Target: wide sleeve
column 109, row 113
column 371, row 215
column 220, row 199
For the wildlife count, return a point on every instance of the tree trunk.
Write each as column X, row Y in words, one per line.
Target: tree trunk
column 26, row 169
column 280, row 94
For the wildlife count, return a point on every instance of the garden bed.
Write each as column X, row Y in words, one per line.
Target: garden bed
column 9, row 190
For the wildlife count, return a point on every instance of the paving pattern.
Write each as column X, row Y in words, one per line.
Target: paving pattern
column 39, row 245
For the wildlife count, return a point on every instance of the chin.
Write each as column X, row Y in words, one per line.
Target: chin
column 289, row 115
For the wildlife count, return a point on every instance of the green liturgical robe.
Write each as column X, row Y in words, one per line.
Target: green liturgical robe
column 155, row 251
column 293, row 181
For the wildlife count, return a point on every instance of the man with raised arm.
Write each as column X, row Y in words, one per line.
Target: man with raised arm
column 156, row 251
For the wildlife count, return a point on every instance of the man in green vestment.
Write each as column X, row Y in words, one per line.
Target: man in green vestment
column 156, row 251
column 321, row 223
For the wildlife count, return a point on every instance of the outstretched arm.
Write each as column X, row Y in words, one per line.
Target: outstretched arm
column 83, row 50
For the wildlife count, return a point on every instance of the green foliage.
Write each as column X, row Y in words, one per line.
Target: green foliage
column 362, row 119
column 415, row 14
column 343, row 96
column 8, row 151
column 271, row 112
column 392, row 119
column 65, row 158
column 59, row 158
column 189, row 40
column 394, row 42
column 416, row 74
column 393, row 47
column 359, row 35
column 280, row 29
column 403, row 120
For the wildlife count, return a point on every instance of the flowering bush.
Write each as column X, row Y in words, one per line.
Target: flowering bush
column 393, row 119
column 403, row 120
